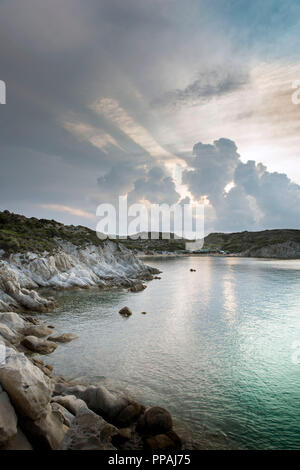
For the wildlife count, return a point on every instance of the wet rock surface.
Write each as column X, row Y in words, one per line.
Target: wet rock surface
column 41, row 346
column 64, row 338
column 125, row 311
column 89, row 431
column 138, row 287
column 156, row 420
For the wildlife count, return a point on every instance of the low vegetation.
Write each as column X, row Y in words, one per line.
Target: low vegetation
column 21, row 234
column 241, row 241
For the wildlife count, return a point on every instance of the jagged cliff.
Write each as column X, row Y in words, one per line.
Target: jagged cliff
column 58, row 256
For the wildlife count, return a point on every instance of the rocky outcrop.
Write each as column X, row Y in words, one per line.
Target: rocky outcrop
column 46, row 368
column 98, row 399
column 7, row 334
column 18, row 442
column 64, row 338
column 129, row 414
column 105, row 265
column 89, row 431
column 25, row 394
column 63, row 414
column 40, row 331
column 138, row 287
column 70, row 403
column 125, row 311
column 14, row 293
column 163, row 442
column 46, row 432
column 28, row 388
column 38, row 345
column 12, row 320
column 156, row 420
column 8, row 419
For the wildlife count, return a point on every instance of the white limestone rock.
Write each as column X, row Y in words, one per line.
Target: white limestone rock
column 7, row 334
column 14, row 321
column 27, row 386
column 46, row 432
column 70, row 266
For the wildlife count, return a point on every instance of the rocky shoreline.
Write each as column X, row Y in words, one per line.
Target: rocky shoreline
column 104, row 266
column 39, row 410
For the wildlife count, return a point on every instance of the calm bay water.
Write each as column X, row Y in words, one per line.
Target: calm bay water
column 215, row 347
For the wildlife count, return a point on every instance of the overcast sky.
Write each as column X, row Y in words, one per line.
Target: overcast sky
column 114, row 97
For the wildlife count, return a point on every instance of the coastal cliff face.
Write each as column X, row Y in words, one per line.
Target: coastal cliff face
column 74, row 257
column 70, row 266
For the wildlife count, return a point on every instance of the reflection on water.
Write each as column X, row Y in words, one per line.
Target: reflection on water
column 215, row 346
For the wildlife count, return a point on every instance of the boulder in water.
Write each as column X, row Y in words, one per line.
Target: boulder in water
column 64, row 338
column 138, row 287
column 39, row 331
column 156, row 420
column 41, row 346
column 125, row 311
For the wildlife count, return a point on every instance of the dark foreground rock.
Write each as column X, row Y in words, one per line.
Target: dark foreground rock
column 156, row 420
column 40, row 331
column 160, row 443
column 8, row 418
column 125, row 311
column 89, row 431
column 138, row 287
column 41, row 346
column 29, row 389
column 64, row 338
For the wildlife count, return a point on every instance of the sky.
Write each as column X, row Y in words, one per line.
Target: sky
column 160, row 100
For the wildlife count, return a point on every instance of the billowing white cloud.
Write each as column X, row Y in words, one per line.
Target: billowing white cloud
column 242, row 196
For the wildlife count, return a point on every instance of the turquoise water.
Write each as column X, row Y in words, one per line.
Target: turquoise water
column 215, row 347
